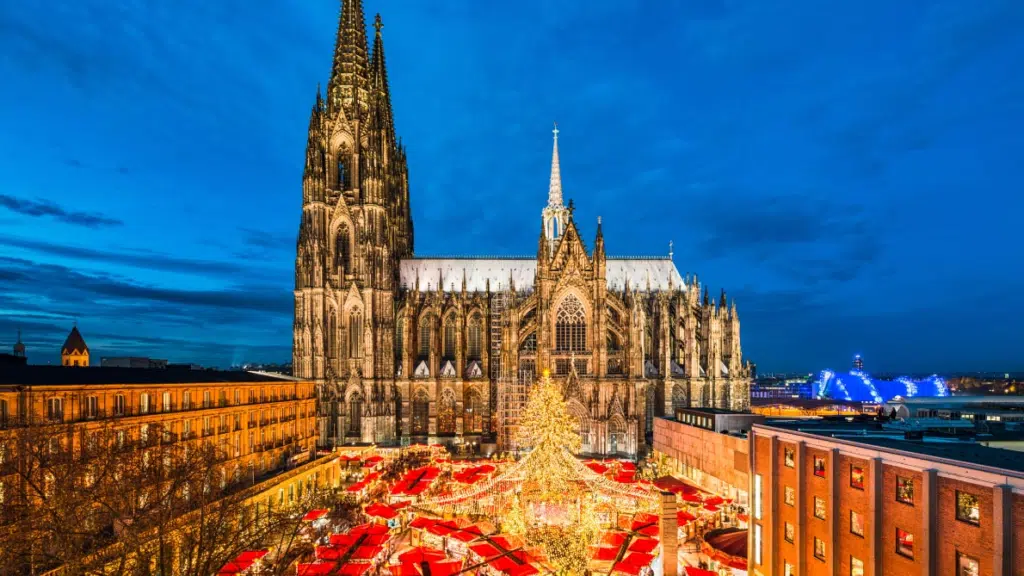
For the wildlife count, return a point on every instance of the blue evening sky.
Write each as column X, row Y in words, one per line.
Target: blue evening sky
column 845, row 170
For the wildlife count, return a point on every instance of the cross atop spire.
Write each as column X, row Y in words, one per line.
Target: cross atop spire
column 555, row 187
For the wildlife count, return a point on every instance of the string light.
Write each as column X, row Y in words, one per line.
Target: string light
column 548, row 496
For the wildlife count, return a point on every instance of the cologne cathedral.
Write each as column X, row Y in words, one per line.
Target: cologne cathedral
column 408, row 349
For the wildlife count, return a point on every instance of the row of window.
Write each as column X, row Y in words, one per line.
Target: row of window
column 965, row 565
column 967, row 508
column 148, row 403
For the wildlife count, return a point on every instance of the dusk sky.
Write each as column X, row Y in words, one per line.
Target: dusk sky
column 845, row 170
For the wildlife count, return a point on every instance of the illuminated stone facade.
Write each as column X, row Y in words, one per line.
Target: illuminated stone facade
column 408, row 349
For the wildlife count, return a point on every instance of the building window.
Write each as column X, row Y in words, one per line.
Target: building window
column 571, row 326
column 119, row 404
column 144, row 403
column 757, row 543
column 757, row 496
column 789, row 457
column 905, row 490
column 788, row 570
column 446, row 412
column 819, row 508
column 166, row 401
column 55, row 409
column 4, row 414
column 790, row 496
column 856, row 523
column 856, row 567
column 186, row 400
column 341, row 249
column 856, row 477
column 355, row 415
column 472, row 414
column 206, row 399
column 967, row 509
column 449, row 338
column 819, row 466
column 475, row 337
column 91, row 408
column 904, row 543
column 819, row 549
column 355, row 335
column 967, row 566
column 420, row 414
column 789, row 532
column 425, row 335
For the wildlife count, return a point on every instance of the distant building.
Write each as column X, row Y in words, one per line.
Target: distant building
column 858, row 363
column 132, row 362
column 780, row 388
column 74, row 352
column 19, row 347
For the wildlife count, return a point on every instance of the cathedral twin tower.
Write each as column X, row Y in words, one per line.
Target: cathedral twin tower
column 407, row 349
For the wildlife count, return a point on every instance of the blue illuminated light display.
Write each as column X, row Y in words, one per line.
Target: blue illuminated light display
column 858, row 386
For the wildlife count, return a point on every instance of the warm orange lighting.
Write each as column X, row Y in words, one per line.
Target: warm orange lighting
column 547, row 372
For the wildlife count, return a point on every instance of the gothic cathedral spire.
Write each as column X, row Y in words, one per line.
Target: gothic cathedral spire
column 555, row 215
column 349, row 71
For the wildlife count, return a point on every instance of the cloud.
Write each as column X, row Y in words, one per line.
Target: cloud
column 42, row 208
column 136, row 259
column 221, row 326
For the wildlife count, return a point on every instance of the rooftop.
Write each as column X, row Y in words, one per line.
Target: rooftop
column 78, row 376
column 870, row 432
column 714, row 411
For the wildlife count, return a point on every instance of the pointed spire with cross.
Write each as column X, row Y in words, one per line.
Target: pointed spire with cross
column 555, row 187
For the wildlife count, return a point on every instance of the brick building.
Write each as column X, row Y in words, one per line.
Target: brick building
column 832, row 498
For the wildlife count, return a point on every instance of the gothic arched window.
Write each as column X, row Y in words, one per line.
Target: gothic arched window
column 449, row 337
column 446, row 413
column 529, row 344
column 355, row 335
column 475, row 337
column 420, row 414
column 426, row 332
column 571, row 326
column 344, row 178
column 473, row 414
column 332, row 334
column 342, row 250
column 678, row 398
column 355, row 415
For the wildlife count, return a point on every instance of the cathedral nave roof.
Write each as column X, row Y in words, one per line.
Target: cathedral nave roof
column 661, row 272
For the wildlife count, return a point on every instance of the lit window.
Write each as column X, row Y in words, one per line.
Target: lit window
column 571, row 326
column 757, row 496
column 819, row 549
column 905, row 490
column 787, row 569
column 789, row 532
column 904, row 543
column 856, row 567
column 789, row 457
column 857, row 477
column 819, row 466
column 790, row 496
column 757, row 543
column 967, row 566
column 967, row 509
column 819, row 508
column 856, row 523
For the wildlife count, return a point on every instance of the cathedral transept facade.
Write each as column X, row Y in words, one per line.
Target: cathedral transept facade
column 407, row 349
